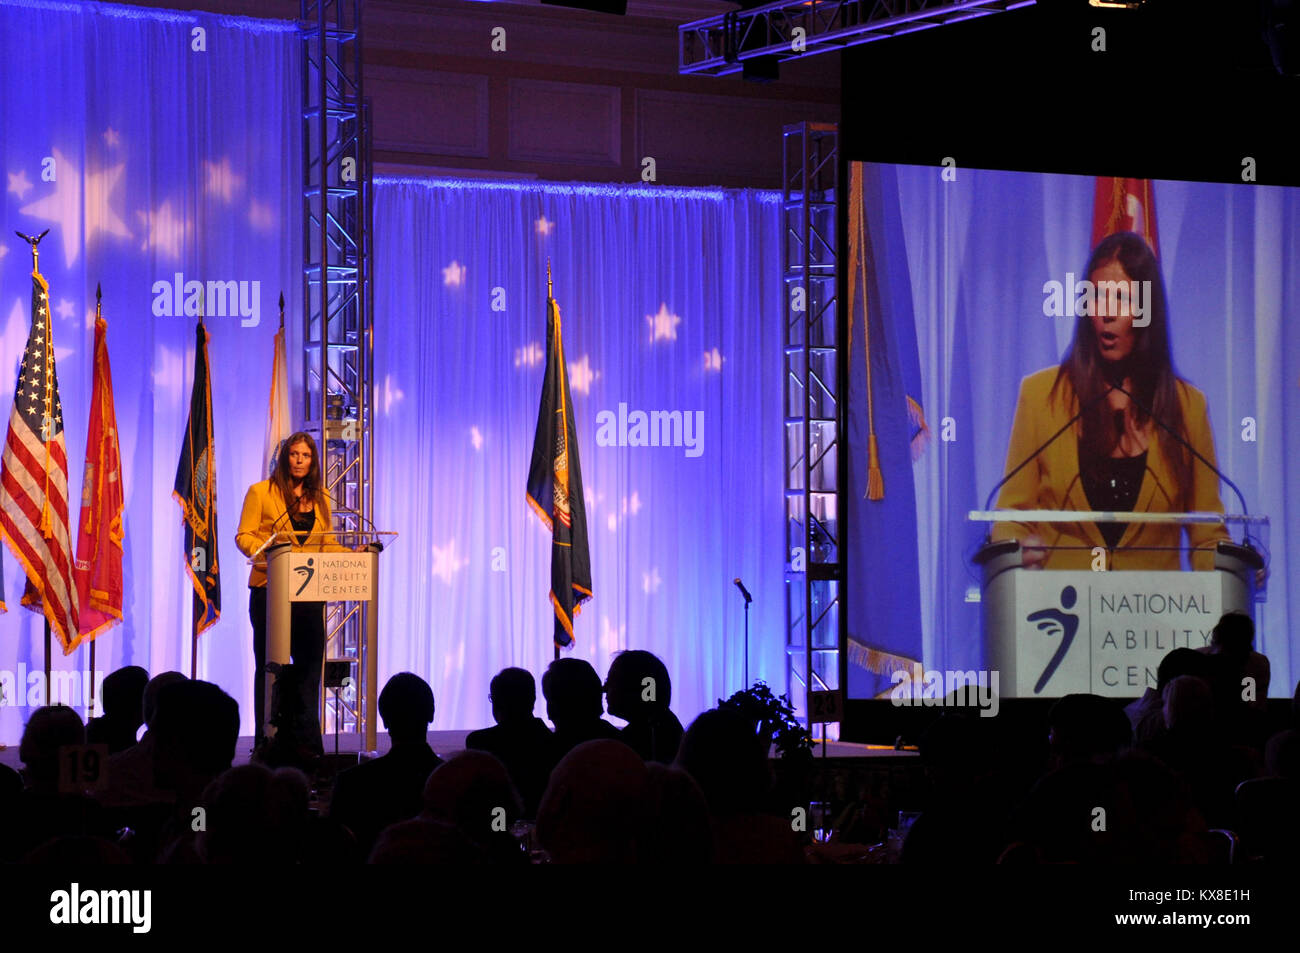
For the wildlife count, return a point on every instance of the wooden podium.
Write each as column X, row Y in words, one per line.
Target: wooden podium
column 312, row 576
column 1050, row 633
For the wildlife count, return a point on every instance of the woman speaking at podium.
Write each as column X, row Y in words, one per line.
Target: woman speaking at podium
column 1118, row 377
column 294, row 504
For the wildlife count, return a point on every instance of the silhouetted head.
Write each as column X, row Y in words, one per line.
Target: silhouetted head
column 1181, row 662
column 723, row 752
column 156, row 684
column 955, row 750
column 406, row 705
column 1189, row 705
column 254, row 815
column 513, row 693
column 422, row 841
column 195, row 729
column 124, row 695
column 594, row 807
column 1234, row 636
column 572, row 690
column 473, row 792
column 49, row 729
column 637, row 685
column 678, row 829
column 1087, row 726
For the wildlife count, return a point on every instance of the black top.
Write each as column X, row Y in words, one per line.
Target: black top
column 302, row 525
column 1111, row 484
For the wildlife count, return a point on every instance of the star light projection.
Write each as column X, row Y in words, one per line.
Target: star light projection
column 446, row 563
column 663, row 325
column 18, row 183
column 164, row 232
column 581, row 375
column 530, row 355
column 544, row 226
column 713, row 360
column 453, row 276
column 79, row 200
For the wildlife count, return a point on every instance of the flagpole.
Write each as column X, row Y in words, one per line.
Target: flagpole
column 550, row 293
column 196, row 604
column 99, row 299
column 36, row 259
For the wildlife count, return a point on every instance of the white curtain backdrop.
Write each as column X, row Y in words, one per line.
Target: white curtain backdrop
column 669, row 301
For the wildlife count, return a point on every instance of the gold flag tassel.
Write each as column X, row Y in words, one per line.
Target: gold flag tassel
column 857, row 258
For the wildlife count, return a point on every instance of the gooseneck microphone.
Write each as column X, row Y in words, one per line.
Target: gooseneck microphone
column 1245, row 511
column 988, row 504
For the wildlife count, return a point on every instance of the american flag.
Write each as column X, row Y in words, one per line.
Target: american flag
column 34, row 477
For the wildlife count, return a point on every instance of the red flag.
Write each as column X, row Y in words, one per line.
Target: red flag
column 34, row 478
column 1124, row 205
column 98, row 570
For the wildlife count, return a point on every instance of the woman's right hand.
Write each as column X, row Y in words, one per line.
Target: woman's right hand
column 1033, row 552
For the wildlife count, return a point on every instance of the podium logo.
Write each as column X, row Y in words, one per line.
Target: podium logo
column 215, row 299
column 306, row 572
column 932, row 688
column 1055, row 622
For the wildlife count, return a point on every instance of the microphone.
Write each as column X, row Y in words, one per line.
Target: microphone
column 988, row 504
column 1177, row 436
column 743, row 591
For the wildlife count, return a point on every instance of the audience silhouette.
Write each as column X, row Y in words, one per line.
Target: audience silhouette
column 1190, row 759
column 123, row 694
column 639, row 691
column 369, row 797
column 519, row 739
column 573, row 703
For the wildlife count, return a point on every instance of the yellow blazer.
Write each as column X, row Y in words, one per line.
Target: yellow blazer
column 1051, row 482
column 265, row 511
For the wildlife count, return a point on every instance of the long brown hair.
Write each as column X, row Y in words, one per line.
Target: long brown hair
column 1150, row 365
column 280, row 477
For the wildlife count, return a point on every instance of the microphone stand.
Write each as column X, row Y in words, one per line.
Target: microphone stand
column 748, row 599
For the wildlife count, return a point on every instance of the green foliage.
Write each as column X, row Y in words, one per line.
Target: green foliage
column 773, row 718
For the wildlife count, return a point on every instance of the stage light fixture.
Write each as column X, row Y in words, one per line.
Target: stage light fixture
column 616, row 7
column 1116, row 4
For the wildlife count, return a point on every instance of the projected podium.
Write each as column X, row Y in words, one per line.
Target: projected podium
column 313, row 576
column 1056, row 632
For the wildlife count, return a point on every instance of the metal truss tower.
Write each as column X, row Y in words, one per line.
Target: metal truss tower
column 338, row 307
column 814, row 414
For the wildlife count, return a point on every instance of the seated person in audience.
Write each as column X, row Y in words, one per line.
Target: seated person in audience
column 722, row 752
column 1084, row 727
column 573, row 703
column 123, row 693
column 195, row 729
column 473, row 793
column 639, row 691
column 388, row 789
column 1147, row 714
column 1232, row 646
column 41, row 812
column 519, row 739
column 594, row 810
column 130, row 772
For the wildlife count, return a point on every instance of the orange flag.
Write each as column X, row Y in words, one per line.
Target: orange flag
column 98, row 569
